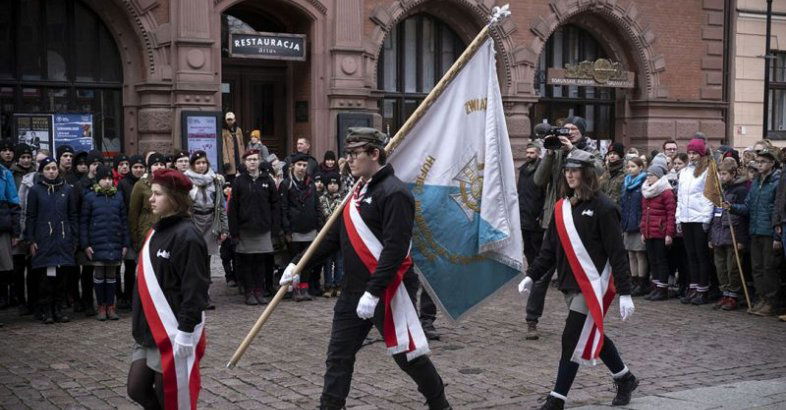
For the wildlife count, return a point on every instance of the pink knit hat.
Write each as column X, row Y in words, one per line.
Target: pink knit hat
column 698, row 146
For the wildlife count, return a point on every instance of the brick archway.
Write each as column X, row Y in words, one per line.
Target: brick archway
column 619, row 26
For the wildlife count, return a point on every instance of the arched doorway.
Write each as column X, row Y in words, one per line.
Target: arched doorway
column 268, row 95
column 58, row 57
column 415, row 55
column 571, row 44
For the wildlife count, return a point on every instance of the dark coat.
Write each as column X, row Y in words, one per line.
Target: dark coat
column 531, row 197
column 390, row 215
column 658, row 215
column 52, row 223
column 10, row 210
column 630, row 204
column 177, row 255
column 759, row 205
column 313, row 164
column 300, row 209
column 720, row 230
column 126, row 187
column 104, row 226
column 779, row 212
column 601, row 235
column 254, row 205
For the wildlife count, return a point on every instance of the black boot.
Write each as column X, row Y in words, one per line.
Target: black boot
column 700, row 299
column 659, row 294
column 440, row 403
column 60, row 316
column 636, row 282
column 625, row 386
column 250, row 299
column 685, row 300
column 553, row 403
column 47, row 317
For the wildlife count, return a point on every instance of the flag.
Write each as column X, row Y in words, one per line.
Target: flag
column 458, row 163
column 712, row 186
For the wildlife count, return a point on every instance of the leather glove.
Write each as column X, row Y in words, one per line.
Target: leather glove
column 289, row 277
column 525, row 286
column 626, row 307
column 184, row 343
column 367, row 305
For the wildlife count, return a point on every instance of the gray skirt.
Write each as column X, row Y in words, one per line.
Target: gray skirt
column 254, row 243
column 632, row 242
column 151, row 355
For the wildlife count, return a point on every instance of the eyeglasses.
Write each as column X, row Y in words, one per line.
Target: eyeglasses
column 353, row 154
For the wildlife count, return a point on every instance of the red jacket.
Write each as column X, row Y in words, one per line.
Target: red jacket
column 657, row 215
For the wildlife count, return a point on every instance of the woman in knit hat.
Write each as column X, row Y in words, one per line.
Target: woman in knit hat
column 104, row 238
column 209, row 210
column 169, row 303
column 694, row 213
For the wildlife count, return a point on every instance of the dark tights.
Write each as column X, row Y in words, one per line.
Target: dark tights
column 570, row 338
column 145, row 386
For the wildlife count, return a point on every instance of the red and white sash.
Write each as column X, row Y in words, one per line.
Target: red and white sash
column 181, row 374
column 402, row 331
column 597, row 288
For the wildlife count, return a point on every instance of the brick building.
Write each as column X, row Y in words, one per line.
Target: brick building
column 138, row 65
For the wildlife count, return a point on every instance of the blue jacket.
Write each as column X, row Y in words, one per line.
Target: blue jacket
column 9, row 203
column 103, row 225
column 51, row 223
column 759, row 205
column 630, row 202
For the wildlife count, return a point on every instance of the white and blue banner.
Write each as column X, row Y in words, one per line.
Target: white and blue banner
column 457, row 161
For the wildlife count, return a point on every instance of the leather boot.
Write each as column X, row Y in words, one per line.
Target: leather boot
column 111, row 314
column 250, row 299
column 625, row 386
column 258, row 296
column 101, row 313
column 553, row 403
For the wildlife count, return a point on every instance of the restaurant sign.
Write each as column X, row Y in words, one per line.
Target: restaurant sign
column 598, row 73
column 270, row 46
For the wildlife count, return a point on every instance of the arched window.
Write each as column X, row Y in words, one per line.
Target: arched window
column 59, row 57
column 415, row 55
column 570, row 45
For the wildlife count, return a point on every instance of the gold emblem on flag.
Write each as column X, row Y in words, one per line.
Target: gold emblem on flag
column 470, row 179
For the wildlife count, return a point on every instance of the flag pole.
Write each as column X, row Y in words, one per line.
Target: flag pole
column 499, row 13
column 714, row 169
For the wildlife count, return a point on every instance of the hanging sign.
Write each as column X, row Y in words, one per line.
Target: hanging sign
column 201, row 131
column 34, row 130
column 75, row 130
column 598, row 73
column 270, row 46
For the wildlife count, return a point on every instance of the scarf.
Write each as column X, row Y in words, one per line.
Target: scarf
column 651, row 191
column 101, row 191
column 204, row 189
column 631, row 183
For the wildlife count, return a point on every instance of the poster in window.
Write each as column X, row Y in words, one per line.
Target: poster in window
column 75, row 130
column 201, row 132
column 34, row 130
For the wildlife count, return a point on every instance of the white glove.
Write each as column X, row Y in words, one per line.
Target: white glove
column 184, row 343
column 367, row 305
column 289, row 277
column 525, row 286
column 626, row 307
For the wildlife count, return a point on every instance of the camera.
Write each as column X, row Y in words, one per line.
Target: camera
column 551, row 137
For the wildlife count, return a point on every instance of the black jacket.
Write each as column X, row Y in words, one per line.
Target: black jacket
column 531, row 197
column 598, row 224
column 254, row 205
column 300, row 209
column 52, row 223
column 390, row 214
column 126, row 187
column 177, row 254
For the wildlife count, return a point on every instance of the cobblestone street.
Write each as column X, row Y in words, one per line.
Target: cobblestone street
column 485, row 360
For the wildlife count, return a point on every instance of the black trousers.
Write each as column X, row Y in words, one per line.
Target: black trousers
column 698, row 254
column 129, row 279
column 659, row 264
column 428, row 309
column 346, row 338
column 251, row 267
column 678, row 262
column 86, row 280
column 227, row 252
column 533, row 240
column 50, row 288
column 568, row 369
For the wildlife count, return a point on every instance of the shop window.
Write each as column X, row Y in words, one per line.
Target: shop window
column 570, row 45
column 777, row 96
column 414, row 56
column 59, row 57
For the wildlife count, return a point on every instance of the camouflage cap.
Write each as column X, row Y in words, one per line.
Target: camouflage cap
column 771, row 153
column 362, row 136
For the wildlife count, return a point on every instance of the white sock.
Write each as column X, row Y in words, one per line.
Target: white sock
column 622, row 372
column 559, row 396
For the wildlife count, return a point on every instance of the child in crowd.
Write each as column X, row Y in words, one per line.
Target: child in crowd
column 334, row 266
column 319, row 184
column 104, row 238
column 734, row 192
column 256, row 143
column 657, row 225
column 630, row 202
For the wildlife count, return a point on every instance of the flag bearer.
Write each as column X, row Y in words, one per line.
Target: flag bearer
column 374, row 238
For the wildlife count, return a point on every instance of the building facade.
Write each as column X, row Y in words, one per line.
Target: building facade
column 138, row 65
column 748, row 74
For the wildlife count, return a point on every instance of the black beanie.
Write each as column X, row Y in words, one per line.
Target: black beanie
column 136, row 159
column 22, row 149
column 330, row 155
column 118, row 159
column 93, row 156
column 62, row 149
column 155, row 158
column 579, row 122
column 102, row 172
column 617, row 148
column 46, row 161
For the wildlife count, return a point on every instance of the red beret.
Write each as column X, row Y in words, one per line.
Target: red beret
column 250, row 152
column 172, row 179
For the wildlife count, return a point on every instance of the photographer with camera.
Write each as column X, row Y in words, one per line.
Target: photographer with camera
column 558, row 142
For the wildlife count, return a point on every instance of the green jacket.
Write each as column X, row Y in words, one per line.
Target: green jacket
column 611, row 182
column 140, row 216
column 549, row 174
